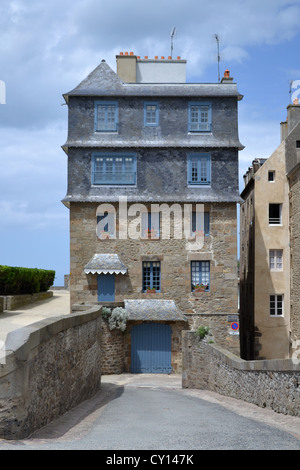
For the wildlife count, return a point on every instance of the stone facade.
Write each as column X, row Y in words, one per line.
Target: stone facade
column 162, row 164
column 292, row 145
column 219, row 248
column 295, row 256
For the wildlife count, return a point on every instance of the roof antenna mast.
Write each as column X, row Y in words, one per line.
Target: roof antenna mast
column 218, row 57
column 173, row 32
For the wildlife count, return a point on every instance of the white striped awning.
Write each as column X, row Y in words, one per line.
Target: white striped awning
column 105, row 264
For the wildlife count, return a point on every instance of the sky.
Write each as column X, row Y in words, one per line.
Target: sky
column 48, row 47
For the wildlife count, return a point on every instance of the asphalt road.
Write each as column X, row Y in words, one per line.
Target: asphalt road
column 151, row 413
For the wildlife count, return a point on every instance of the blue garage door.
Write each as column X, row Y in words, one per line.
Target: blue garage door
column 151, row 348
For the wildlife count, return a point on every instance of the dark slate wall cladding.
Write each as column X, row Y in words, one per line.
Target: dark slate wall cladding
column 173, row 121
column 161, row 176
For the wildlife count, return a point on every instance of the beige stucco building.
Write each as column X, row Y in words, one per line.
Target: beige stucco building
column 268, row 259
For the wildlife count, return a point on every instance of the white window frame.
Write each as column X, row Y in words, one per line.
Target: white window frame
column 276, row 260
column 275, row 302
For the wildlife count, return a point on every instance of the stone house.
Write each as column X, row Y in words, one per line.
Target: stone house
column 269, row 277
column 152, row 194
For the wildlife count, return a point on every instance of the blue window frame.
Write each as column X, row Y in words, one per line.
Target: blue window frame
column 200, row 274
column 199, row 115
column 106, row 116
column 106, row 225
column 200, row 223
column 199, row 169
column 151, row 275
column 114, row 169
column 150, row 224
column 151, row 114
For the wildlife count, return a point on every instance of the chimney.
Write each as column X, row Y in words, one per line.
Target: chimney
column 126, row 67
column 283, row 130
column 293, row 118
column 227, row 78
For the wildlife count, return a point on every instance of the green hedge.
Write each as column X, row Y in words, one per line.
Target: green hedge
column 15, row 280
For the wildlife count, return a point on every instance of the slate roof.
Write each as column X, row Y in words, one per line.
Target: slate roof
column 105, row 264
column 103, row 81
column 153, row 310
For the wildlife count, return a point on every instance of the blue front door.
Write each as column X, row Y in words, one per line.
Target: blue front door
column 151, row 348
column 106, row 287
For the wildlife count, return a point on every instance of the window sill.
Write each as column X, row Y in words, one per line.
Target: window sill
column 117, row 185
column 106, row 132
column 149, row 238
column 200, row 133
column 199, row 185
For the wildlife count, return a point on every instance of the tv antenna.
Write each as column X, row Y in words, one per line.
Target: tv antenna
column 218, row 57
column 173, row 32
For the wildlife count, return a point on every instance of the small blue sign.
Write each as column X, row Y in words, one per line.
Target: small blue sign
column 234, row 326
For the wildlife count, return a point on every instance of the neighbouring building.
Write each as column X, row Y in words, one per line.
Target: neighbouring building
column 152, row 194
column 291, row 136
column 269, row 317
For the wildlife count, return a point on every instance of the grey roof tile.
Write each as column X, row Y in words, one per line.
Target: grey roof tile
column 105, row 264
column 153, row 310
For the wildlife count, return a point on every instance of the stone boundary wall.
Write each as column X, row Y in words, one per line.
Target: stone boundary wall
column 273, row 384
column 49, row 367
column 13, row 302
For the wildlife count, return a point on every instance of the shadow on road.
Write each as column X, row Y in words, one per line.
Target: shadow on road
column 79, row 418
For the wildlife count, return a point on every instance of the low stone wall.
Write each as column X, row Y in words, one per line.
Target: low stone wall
column 50, row 367
column 274, row 384
column 13, row 302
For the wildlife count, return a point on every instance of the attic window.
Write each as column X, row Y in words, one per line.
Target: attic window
column 298, row 144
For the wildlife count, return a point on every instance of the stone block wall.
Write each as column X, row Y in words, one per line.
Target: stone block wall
column 220, row 248
column 295, row 255
column 13, row 302
column 274, row 384
column 49, row 368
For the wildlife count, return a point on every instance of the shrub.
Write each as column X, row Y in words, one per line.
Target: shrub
column 202, row 331
column 116, row 318
column 18, row 280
